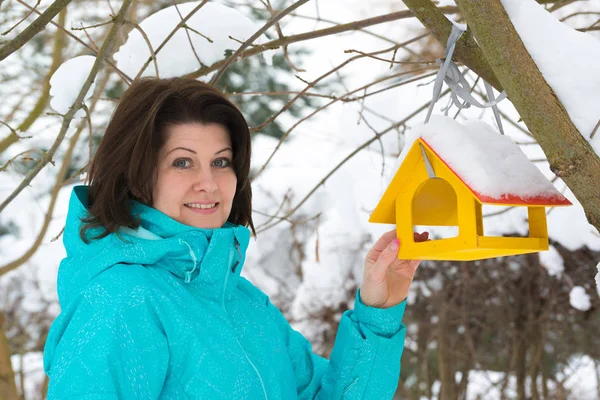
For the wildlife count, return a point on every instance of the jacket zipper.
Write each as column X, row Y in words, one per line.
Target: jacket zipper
column 236, row 339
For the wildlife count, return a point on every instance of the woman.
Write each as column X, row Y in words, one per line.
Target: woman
column 153, row 304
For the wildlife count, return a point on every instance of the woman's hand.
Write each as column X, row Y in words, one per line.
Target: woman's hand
column 387, row 279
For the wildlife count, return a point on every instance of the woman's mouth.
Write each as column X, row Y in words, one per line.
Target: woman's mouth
column 203, row 208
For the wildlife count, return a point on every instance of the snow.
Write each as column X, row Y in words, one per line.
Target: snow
column 282, row 260
column 579, row 299
column 580, row 382
column 489, row 163
column 569, row 226
column 67, row 81
column 176, row 58
column 568, row 60
column 33, row 373
column 552, row 261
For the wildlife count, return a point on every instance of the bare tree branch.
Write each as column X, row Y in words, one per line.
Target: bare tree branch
column 200, row 63
column 357, row 150
column 22, row 19
column 467, row 50
column 33, row 29
column 570, row 155
column 60, row 176
column 94, row 52
column 169, row 36
column 42, row 102
column 104, row 50
column 316, row 81
column 274, row 44
column 152, row 53
column 252, row 38
column 342, row 98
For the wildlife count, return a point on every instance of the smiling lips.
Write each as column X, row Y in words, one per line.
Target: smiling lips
column 202, row 208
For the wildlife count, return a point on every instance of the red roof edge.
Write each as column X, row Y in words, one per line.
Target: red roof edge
column 508, row 198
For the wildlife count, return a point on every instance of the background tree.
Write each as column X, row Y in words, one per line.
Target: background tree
column 499, row 328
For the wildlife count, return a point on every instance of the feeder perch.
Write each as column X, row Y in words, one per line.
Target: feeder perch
column 444, row 180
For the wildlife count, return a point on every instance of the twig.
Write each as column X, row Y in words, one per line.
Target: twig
column 313, row 83
column 252, row 38
column 444, row 10
column 13, row 131
column 54, row 195
column 357, row 150
column 281, row 93
column 33, row 29
column 23, row 19
column 274, row 216
column 92, row 26
column 362, row 117
column 89, row 123
column 55, row 238
column 76, row 105
column 75, row 175
column 200, row 64
column 401, row 83
column 198, row 33
column 392, row 61
column 5, row 166
column 152, row 53
column 563, row 19
column 17, row 107
column 280, row 34
column 122, row 74
column 87, row 35
column 558, row 5
column 274, row 44
column 595, row 130
column 286, row 134
column 169, row 36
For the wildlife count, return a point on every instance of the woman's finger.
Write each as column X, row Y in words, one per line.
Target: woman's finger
column 378, row 270
column 384, row 241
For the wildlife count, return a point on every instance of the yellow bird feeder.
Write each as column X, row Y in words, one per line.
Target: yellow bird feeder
column 430, row 189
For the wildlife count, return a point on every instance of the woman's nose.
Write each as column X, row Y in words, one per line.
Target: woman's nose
column 205, row 181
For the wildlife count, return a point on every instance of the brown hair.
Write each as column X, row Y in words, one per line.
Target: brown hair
column 124, row 165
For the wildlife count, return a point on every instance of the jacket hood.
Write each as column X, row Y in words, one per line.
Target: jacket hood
column 212, row 258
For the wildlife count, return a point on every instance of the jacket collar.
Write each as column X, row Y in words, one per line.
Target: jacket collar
column 208, row 259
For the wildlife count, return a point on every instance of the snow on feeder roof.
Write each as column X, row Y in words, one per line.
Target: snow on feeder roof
column 446, row 172
column 491, row 165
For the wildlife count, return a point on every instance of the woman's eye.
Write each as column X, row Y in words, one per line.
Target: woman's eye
column 181, row 163
column 222, row 163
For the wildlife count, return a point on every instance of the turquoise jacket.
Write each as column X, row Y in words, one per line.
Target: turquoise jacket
column 163, row 313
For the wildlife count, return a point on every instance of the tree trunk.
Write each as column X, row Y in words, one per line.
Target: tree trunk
column 445, row 362
column 423, row 375
column 8, row 388
column 570, row 155
column 518, row 357
column 466, row 49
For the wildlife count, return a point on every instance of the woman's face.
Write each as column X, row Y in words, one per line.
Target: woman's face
column 195, row 182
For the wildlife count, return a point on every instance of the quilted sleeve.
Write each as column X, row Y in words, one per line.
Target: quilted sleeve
column 364, row 362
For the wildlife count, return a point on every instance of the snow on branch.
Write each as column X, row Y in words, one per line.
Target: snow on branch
column 567, row 59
